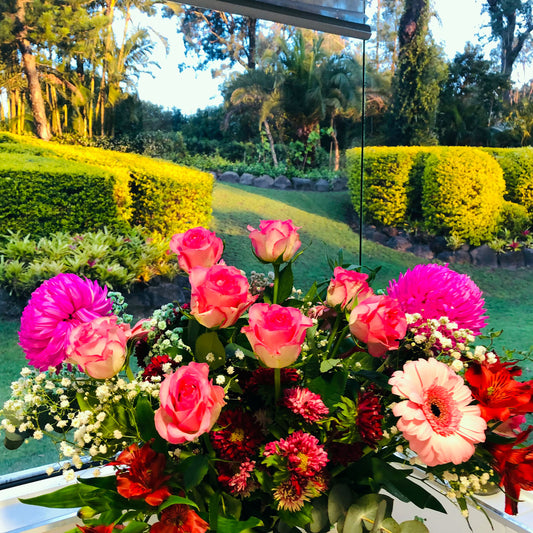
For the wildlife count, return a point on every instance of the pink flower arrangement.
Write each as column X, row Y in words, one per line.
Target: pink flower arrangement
column 54, row 310
column 436, row 291
column 196, row 247
column 270, row 411
column 436, row 417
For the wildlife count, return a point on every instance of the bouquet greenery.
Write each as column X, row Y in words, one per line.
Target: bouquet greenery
column 254, row 407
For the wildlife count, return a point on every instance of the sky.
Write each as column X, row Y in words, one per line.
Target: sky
column 459, row 21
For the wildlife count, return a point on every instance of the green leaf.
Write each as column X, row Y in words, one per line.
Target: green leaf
column 209, row 343
column 77, row 495
column 339, row 500
column 175, row 500
column 319, row 516
column 144, row 418
column 413, row 526
column 230, row 525
column 105, row 483
column 366, row 509
column 135, row 527
column 397, row 483
column 328, row 364
column 194, row 469
column 389, row 525
column 285, row 284
column 297, row 518
column 330, row 387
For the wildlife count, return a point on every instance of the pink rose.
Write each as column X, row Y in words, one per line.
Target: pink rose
column 99, row 346
column 347, row 288
column 380, row 323
column 275, row 238
column 276, row 333
column 219, row 295
column 189, row 404
column 196, row 247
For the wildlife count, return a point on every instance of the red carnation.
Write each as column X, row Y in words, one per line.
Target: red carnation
column 239, row 436
column 155, row 367
column 143, row 478
column 499, row 395
column 515, row 467
column 179, row 519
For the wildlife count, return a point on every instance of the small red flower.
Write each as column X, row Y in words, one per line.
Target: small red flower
column 155, row 367
column 515, row 467
column 369, row 418
column 499, row 395
column 143, row 478
column 305, row 403
column 264, row 377
column 239, row 436
column 179, row 519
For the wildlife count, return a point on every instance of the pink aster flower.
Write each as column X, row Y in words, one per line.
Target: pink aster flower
column 54, row 310
column 303, row 402
column 242, row 483
column 305, row 456
column 435, row 291
column 436, row 417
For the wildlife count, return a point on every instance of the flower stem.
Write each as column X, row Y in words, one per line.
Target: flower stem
column 277, row 383
column 342, row 336
column 129, row 373
column 334, row 330
column 276, row 283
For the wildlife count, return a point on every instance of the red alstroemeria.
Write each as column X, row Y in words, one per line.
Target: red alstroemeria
column 144, row 478
column 515, row 466
column 96, row 529
column 179, row 519
column 499, row 395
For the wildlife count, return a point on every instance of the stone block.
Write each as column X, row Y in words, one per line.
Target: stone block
column 322, row 185
column 484, row 256
column 264, row 182
column 282, row 182
column 247, row 179
column 229, row 177
column 511, row 260
column 302, row 184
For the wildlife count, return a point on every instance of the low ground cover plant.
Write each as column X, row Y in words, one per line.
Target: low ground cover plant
column 119, row 260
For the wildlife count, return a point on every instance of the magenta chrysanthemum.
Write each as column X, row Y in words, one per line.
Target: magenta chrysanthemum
column 435, row 291
column 305, row 403
column 54, row 310
column 436, row 417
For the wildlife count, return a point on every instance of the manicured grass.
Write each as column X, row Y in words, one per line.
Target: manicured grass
column 324, row 219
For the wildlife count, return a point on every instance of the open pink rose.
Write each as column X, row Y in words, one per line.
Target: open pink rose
column 275, row 239
column 196, row 247
column 219, row 295
column 189, row 404
column 99, row 346
column 347, row 288
column 276, row 333
column 379, row 322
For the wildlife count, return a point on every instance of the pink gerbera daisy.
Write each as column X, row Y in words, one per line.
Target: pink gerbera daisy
column 436, row 417
column 54, row 310
column 305, row 403
column 435, row 291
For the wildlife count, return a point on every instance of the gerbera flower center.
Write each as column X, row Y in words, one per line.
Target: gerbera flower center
column 303, row 461
column 441, row 410
column 237, row 435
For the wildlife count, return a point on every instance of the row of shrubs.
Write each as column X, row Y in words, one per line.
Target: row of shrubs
column 50, row 187
column 465, row 193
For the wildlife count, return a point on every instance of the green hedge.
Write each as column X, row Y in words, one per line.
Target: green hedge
column 41, row 195
column 163, row 197
column 455, row 191
column 517, row 166
column 462, row 194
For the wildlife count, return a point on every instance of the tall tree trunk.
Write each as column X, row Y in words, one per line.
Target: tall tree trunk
column 335, row 144
column 30, row 69
column 271, row 142
column 252, row 42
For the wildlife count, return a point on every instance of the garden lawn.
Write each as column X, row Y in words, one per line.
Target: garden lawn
column 325, row 228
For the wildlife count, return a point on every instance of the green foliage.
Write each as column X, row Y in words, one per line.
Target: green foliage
column 417, row 79
column 462, row 194
column 118, row 260
column 392, row 182
column 41, row 195
column 517, row 166
column 161, row 196
column 514, row 218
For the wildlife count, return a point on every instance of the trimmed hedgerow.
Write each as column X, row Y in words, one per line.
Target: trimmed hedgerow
column 164, row 197
column 517, row 166
column 462, row 193
column 42, row 195
column 392, row 190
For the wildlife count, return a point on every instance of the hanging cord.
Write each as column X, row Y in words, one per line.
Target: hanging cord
column 361, row 181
